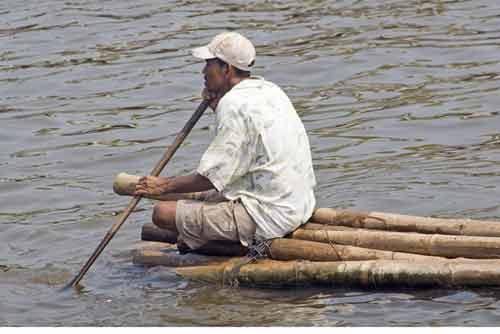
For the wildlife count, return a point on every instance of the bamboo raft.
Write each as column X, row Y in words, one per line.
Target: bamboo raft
column 344, row 248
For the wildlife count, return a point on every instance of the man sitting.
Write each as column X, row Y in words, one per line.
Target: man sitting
column 256, row 177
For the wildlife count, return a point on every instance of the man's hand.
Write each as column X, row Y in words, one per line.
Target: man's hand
column 152, row 185
column 212, row 97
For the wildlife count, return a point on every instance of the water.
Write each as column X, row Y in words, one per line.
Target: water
column 400, row 100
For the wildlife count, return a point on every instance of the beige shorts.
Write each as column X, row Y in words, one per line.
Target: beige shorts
column 210, row 216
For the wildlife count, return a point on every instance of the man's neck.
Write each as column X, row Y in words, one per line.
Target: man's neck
column 235, row 80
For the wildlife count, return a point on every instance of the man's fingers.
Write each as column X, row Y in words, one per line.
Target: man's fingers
column 145, row 180
column 144, row 186
column 140, row 189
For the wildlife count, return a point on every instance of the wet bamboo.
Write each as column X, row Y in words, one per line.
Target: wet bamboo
column 124, row 184
column 164, row 254
column 405, row 223
column 417, row 243
column 296, row 249
column 324, row 227
column 150, row 232
column 288, row 249
column 398, row 245
column 370, row 274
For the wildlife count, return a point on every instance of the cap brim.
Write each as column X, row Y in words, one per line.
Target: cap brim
column 202, row 53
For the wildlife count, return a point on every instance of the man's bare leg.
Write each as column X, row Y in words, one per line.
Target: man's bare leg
column 164, row 215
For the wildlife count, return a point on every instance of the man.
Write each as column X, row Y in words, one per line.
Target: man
column 255, row 181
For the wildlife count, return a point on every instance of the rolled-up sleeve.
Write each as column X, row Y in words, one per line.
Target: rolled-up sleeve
column 227, row 157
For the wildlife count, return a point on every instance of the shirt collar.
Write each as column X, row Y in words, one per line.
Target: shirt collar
column 253, row 81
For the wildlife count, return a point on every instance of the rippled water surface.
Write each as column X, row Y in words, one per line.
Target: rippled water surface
column 401, row 100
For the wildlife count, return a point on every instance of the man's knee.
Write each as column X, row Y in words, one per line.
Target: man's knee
column 164, row 215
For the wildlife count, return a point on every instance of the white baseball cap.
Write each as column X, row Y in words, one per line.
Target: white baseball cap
column 231, row 47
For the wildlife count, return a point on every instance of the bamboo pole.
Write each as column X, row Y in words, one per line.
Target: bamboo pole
column 324, row 227
column 370, row 274
column 425, row 244
column 296, row 249
column 150, row 232
column 346, row 246
column 405, row 223
column 313, row 245
column 163, row 254
column 135, row 200
column 124, row 185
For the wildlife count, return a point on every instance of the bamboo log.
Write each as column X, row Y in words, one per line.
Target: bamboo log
column 124, row 184
column 325, row 227
column 405, row 223
column 164, row 254
column 372, row 274
column 150, row 232
column 425, row 244
column 161, row 253
column 282, row 249
column 296, row 249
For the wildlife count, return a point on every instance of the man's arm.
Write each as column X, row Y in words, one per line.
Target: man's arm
column 151, row 185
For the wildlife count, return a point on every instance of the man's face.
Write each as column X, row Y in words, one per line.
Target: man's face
column 215, row 75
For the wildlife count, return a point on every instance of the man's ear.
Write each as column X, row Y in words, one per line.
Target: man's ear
column 227, row 71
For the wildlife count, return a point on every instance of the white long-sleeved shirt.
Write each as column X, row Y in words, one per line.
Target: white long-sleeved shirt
column 261, row 155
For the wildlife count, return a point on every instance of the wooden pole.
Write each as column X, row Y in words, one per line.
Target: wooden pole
column 135, row 200
column 418, row 243
column 295, row 249
column 163, row 254
column 150, row 232
column 285, row 249
column 124, row 184
column 325, row 227
column 372, row 274
column 405, row 223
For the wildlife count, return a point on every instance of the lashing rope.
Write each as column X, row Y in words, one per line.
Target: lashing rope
column 259, row 250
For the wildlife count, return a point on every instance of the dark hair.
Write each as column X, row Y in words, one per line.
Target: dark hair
column 240, row 73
